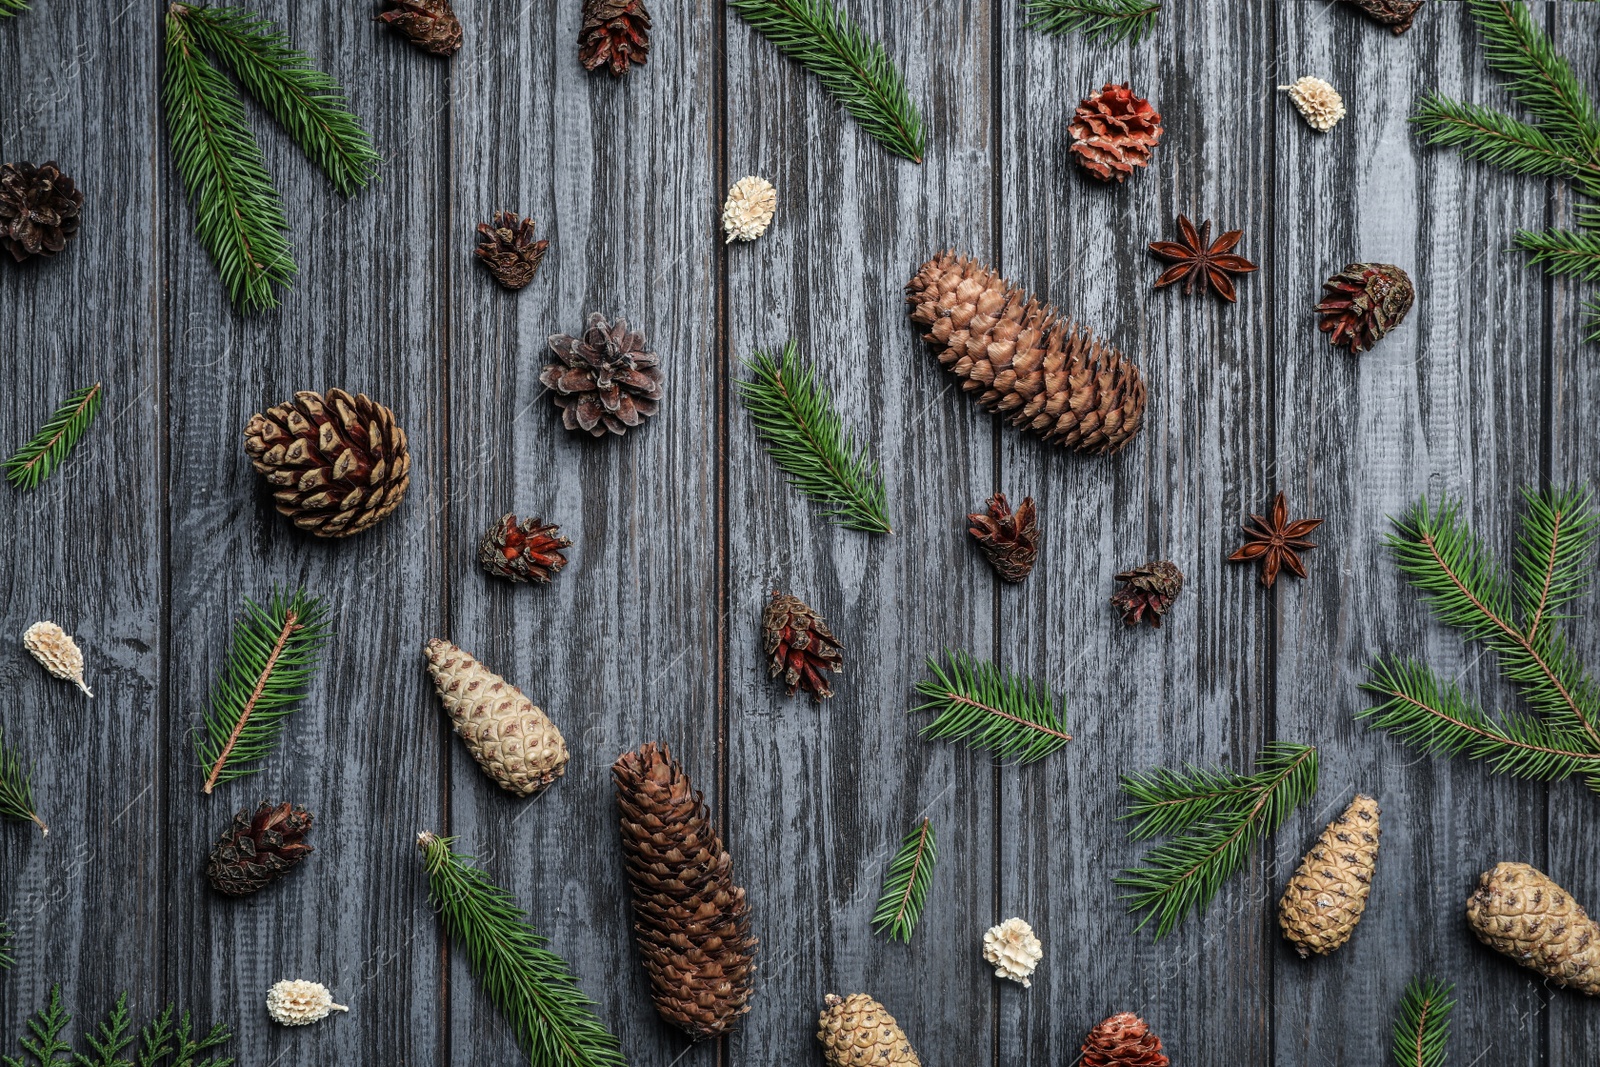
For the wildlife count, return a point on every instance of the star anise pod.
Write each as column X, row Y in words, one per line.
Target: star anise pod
column 1196, row 259
column 1276, row 543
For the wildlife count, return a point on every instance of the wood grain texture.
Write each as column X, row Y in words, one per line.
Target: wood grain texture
column 146, row 542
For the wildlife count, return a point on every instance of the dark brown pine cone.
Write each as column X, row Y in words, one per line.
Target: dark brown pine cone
column 1123, row 1041
column 530, row 552
column 1363, row 302
column 799, row 646
column 1151, row 588
column 1395, row 14
column 1009, row 539
column 431, row 25
column 605, row 381
column 508, row 249
column 39, row 209
column 256, row 851
column 615, row 34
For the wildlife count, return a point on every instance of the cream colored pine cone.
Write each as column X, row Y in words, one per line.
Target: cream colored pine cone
column 299, row 1003
column 857, row 1031
column 1328, row 894
column 58, row 652
column 1519, row 911
column 749, row 209
column 1013, row 951
column 1318, row 102
column 514, row 742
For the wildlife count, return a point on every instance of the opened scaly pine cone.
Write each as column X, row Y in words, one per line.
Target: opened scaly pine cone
column 799, row 646
column 40, row 209
column 430, row 25
column 297, row 1002
column 1124, row 1040
column 1364, row 302
column 1009, row 539
column 256, row 850
column 606, row 381
column 615, row 34
column 509, row 250
column 857, row 1031
column 522, row 552
column 1517, row 910
column 1147, row 592
column 513, row 740
column 1328, row 894
column 1114, row 131
column 748, row 211
column 1395, row 14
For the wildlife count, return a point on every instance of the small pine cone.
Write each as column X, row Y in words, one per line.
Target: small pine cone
column 57, row 652
column 1038, row 370
column 338, row 464
column 1009, row 539
column 748, row 211
column 1396, row 14
column 1151, row 588
column 431, row 25
column 799, row 646
column 1124, row 1040
column 299, row 1003
column 857, row 1031
column 606, row 381
column 691, row 921
column 506, row 246
column 1519, row 911
column 1327, row 895
column 615, row 34
column 1013, row 951
column 1113, row 132
column 1318, row 102
column 39, row 209
column 1363, row 302
column 256, row 851
column 513, row 740
column 530, row 552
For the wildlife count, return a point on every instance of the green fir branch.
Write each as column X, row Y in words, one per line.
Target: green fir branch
column 162, row 1042
column 905, row 889
column 7, row 960
column 45, row 451
column 533, row 987
column 1564, row 252
column 270, row 663
column 854, row 68
column 239, row 215
column 1220, row 814
column 1538, row 77
column 985, row 707
column 16, row 788
column 1422, row 1029
column 1115, row 20
column 305, row 101
column 796, row 420
column 12, row 7
column 1488, row 136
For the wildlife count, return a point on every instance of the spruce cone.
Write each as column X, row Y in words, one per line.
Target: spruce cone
column 1113, row 131
column 337, row 463
column 857, row 1031
column 39, row 209
column 1123, row 1041
column 1010, row 540
column 431, row 25
column 1396, row 14
column 256, row 851
column 1327, row 895
column 615, row 33
column 1028, row 364
column 508, row 249
column 691, row 921
column 530, row 552
column 799, row 645
column 1520, row 912
column 1364, row 301
column 514, row 742
column 1151, row 588
column 605, row 381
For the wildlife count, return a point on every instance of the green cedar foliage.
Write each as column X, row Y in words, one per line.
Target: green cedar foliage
column 169, row 1040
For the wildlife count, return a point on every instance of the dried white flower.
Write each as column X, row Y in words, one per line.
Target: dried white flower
column 59, row 653
column 1013, row 950
column 749, row 209
column 1319, row 102
column 298, row 1002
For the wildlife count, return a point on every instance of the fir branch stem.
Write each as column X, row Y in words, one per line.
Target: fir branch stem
column 291, row 626
column 905, row 890
column 1394, row 694
column 1422, row 1030
column 978, row 703
column 47, row 449
column 1117, row 20
column 1001, row 713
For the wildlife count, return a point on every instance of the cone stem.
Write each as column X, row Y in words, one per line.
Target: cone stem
column 291, row 623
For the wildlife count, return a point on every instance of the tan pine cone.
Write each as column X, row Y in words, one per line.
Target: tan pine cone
column 615, row 34
column 1038, row 370
column 748, row 211
column 1013, row 950
column 508, row 250
column 1318, row 102
column 522, row 552
column 430, row 25
column 57, row 652
column 1517, row 910
column 857, row 1031
column 800, row 648
column 1328, row 894
column 514, row 742
column 297, row 1002
column 1009, row 540
column 1124, row 1040
column 1113, row 132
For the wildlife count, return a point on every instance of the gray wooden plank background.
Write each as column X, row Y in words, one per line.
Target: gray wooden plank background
column 145, row 543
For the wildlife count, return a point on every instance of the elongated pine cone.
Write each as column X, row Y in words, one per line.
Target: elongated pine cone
column 257, row 850
column 1124, row 1040
column 507, row 248
column 513, row 740
column 1113, row 132
column 1009, row 539
column 1395, row 14
column 691, row 921
column 56, row 652
column 39, row 209
column 800, row 648
column 857, row 1031
column 1363, row 302
column 1147, row 592
column 337, row 464
column 1519, row 911
column 529, row 552
column 1027, row 364
column 1318, row 102
column 748, row 211
column 1328, row 894
column 431, row 25
column 605, row 381
column 615, row 34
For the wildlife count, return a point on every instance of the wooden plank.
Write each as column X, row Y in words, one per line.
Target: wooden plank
column 820, row 795
column 622, row 648
column 364, row 752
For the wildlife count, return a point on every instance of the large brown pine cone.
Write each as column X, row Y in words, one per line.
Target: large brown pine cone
column 508, row 249
column 1123, row 1041
column 1328, row 894
column 1151, row 588
column 522, row 552
column 1363, row 302
column 1113, row 132
column 431, row 25
column 800, row 648
column 606, row 380
column 510, row 736
column 1009, row 539
column 615, row 34
column 857, row 1031
column 1520, row 911
column 1025, row 362
column 691, row 921
column 39, row 209
column 337, row 463
column 257, row 850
